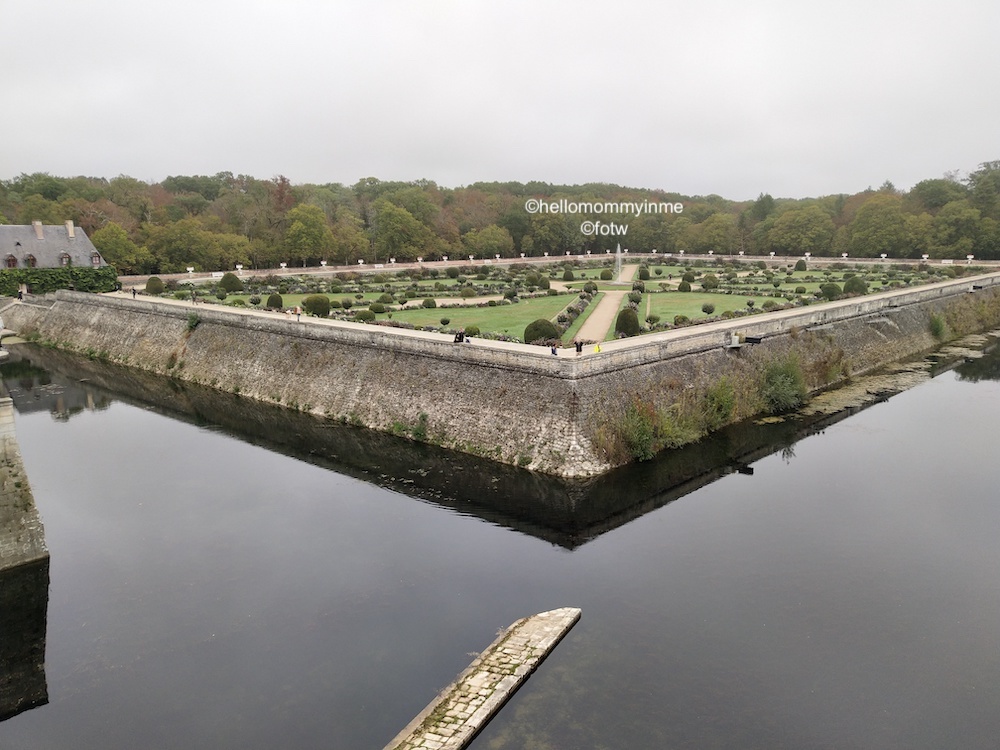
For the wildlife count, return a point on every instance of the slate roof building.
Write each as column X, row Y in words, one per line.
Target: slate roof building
column 47, row 246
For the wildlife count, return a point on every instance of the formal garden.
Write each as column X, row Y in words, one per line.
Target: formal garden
column 500, row 301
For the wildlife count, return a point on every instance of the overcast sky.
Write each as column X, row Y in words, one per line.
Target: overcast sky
column 790, row 97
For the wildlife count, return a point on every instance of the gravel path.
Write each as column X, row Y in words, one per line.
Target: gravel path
column 596, row 327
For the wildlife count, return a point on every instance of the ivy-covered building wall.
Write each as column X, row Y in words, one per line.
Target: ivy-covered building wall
column 44, row 258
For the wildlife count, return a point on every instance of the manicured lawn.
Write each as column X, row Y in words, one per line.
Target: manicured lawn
column 669, row 304
column 509, row 319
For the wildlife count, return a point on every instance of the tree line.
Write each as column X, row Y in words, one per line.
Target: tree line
column 215, row 222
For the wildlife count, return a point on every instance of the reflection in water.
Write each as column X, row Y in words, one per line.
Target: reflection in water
column 207, row 593
column 24, row 598
column 986, row 367
column 564, row 512
column 35, row 389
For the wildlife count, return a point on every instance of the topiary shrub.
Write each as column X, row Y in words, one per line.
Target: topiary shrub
column 386, row 299
column 335, row 304
column 643, row 273
column 568, row 275
column 830, row 290
column 684, row 286
column 688, row 276
column 445, row 321
column 800, row 290
column 231, row 282
column 855, row 285
column 317, row 304
column 590, row 287
column 429, row 302
column 155, row 285
column 800, row 264
column 452, row 272
column 255, row 299
column 221, row 295
column 635, row 297
column 365, row 316
column 540, row 330
column 709, row 282
column 347, row 303
column 708, row 308
column 471, row 331
column 606, row 275
column 467, row 291
column 638, row 286
column 652, row 320
column 275, row 302
column 627, row 322
column 376, row 307
column 680, row 320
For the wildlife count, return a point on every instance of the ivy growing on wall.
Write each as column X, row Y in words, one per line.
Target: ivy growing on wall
column 43, row 280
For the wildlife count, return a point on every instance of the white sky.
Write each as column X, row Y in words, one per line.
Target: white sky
column 791, row 97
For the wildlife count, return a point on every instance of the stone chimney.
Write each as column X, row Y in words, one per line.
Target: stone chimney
column 38, row 229
column 70, row 230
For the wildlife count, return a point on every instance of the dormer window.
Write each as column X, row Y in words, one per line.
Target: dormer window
column 95, row 259
column 11, row 261
column 30, row 261
column 64, row 259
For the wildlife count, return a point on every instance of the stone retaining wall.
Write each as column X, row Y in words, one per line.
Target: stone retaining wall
column 506, row 402
column 22, row 538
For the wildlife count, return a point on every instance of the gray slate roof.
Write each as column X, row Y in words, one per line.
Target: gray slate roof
column 48, row 251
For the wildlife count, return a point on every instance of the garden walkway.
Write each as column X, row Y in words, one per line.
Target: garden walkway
column 596, row 327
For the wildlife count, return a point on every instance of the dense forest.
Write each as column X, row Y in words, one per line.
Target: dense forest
column 215, row 222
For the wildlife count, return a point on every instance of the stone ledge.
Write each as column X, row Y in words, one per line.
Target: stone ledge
column 462, row 709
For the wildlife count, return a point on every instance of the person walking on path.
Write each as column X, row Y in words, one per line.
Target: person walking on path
column 579, row 347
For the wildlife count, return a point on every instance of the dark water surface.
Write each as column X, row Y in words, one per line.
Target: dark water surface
column 213, row 591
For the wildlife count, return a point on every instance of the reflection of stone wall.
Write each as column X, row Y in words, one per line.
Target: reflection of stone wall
column 24, row 598
column 500, row 402
column 22, row 539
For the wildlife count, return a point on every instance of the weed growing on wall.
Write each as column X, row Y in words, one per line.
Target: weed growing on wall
column 784, row 385
column 720, row 398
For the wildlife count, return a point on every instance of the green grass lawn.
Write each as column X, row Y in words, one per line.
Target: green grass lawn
column 508, row 319
column 669, row 304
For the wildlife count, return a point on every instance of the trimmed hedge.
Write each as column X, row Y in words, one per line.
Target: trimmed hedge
column 540, row 330
column 627, row 322
column 155, row 285
column 317, row 304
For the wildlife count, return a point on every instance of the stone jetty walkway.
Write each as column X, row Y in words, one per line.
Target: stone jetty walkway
column 464, row 707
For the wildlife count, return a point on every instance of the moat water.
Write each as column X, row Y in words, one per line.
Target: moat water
column 232, row 576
